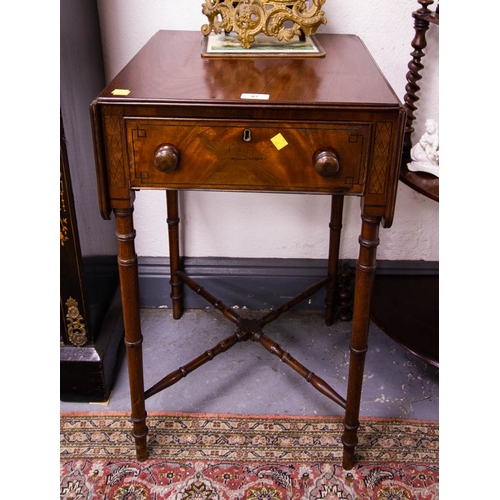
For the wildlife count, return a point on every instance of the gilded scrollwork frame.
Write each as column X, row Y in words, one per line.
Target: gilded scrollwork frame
column 283, row 19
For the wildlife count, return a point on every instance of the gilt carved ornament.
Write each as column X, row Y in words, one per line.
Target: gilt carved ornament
column 283, row 19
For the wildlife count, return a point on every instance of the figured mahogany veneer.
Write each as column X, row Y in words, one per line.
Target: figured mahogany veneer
column 173, row 120
column 215, row 154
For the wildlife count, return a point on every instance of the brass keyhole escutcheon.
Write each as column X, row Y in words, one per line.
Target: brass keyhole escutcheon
column 247, row 135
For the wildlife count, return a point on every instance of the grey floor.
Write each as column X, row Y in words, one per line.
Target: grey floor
column 249, row 380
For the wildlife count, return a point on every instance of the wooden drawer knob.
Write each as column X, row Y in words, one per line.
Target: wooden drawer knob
column 326, row 162
column 166, row 157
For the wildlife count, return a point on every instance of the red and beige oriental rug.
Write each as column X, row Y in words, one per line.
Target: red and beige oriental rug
column 231, row 457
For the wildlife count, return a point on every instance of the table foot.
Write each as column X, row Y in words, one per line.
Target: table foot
column 141, row 450
column 349, row 441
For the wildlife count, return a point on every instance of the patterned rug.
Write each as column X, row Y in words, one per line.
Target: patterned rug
column 231, row 457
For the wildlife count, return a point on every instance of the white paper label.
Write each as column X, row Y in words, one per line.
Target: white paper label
column 262, row 97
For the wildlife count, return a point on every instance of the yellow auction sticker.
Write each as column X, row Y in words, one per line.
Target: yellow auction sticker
column 279, row 141
column 121, row 92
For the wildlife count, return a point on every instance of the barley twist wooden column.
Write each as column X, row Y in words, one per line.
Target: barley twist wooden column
column 415, row 66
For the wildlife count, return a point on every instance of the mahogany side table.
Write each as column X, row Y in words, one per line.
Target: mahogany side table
column 174, row 120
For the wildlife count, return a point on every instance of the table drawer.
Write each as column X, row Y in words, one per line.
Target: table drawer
column 253, row 156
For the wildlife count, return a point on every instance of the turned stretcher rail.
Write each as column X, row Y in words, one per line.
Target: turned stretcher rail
column 249, row 329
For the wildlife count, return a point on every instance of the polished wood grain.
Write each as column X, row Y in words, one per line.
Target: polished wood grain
column 168, row 79
column 172, row 70
column 183, row 124
column 231, row 161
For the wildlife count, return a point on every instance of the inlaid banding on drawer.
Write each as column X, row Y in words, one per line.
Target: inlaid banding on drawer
column 246, row 155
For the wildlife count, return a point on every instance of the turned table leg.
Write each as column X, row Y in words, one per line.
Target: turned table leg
column 173, row 241
column 365, row 275
column 333, row 255
column 129, row 287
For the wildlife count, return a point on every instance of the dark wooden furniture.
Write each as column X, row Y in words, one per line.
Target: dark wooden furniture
column 422, row 182
column 406, row 307
column 91, row 329
column 184, row 125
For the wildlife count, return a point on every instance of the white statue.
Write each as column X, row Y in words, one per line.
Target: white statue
column 425, row 154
